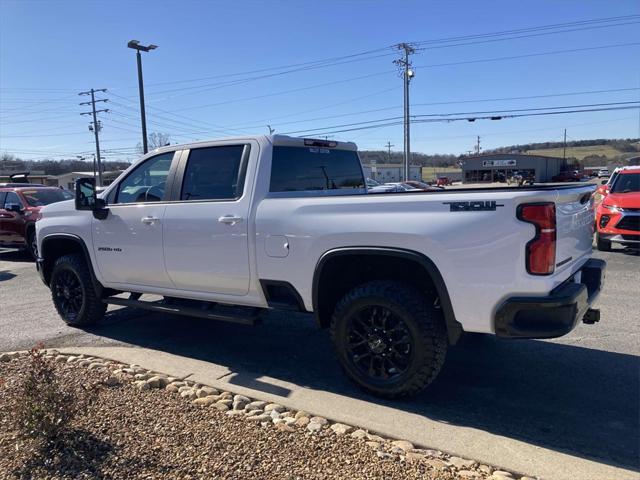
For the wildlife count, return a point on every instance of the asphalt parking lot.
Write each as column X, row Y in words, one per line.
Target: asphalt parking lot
column 579, row 394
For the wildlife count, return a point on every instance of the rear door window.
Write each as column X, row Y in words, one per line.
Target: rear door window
column 295, row 169
column 214, row 173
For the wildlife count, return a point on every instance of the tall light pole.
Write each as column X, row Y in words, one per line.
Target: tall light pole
column 135, row 44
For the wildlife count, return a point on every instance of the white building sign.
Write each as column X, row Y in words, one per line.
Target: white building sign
column 499, row 163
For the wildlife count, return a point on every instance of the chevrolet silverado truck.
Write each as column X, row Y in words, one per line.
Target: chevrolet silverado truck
column 228, row 229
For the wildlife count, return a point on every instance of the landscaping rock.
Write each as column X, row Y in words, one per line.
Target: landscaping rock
column 360, row 434
column 302, row 422
column 314, row 427
column 142, row 385
column 112, row 381
column 403, row 445
column 468, row 474
column 206, row 392
column 204, row 401
column 341, row 428
column 171, row 388
column 257, row 405
column 462, row 463
column 283, row 427
column 223, row 407
column 301, row 413
column 435, row 463
column 414, row 457
column 274, row 407
column 502, row 474
column 374, row 445
column 259, row 418
column 158, row 381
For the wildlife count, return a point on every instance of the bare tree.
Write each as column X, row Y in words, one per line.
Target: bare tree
column 155, row 140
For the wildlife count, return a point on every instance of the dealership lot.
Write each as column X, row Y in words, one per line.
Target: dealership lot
column 575, row 398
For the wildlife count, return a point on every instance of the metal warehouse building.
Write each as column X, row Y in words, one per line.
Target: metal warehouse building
column 500, row 167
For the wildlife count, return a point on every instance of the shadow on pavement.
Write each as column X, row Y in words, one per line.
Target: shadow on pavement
column 567, row 398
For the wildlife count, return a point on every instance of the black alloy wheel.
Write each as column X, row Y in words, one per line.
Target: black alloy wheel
column 379, row 343
column 390, row 338
column 69, row 295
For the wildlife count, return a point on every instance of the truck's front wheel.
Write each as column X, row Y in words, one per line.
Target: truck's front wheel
column 73, row 292
column 389, row 338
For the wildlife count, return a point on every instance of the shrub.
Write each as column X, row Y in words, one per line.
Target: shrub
column 43, row 407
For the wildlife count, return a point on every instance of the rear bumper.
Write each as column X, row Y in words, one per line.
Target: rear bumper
column 555, row 314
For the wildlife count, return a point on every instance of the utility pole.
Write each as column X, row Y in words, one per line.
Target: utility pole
column 135, row 44
column 96, row 124
column 407, row 74
column 478, row 145
column 389, row 145
column 564, row 145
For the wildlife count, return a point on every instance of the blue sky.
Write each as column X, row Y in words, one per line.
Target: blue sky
column 50, row 50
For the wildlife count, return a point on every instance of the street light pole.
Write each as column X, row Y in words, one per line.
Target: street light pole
column 135, row 44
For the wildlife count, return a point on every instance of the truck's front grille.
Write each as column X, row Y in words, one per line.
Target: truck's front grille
column 629, row 223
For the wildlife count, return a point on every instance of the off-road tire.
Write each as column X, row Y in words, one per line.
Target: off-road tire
column 423, row 320
column 602, row 244
column 92, row 308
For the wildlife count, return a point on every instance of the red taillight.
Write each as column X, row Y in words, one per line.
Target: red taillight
column 541, row 251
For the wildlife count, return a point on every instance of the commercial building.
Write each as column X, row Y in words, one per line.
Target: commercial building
column 391, row 172
column 500, row 167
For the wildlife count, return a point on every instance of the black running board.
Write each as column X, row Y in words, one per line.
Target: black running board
column 240, row 315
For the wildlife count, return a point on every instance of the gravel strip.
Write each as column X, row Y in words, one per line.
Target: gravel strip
column 144, row 425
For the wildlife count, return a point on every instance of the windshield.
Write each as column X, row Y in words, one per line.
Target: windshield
column 42, row 197
column 625, row 183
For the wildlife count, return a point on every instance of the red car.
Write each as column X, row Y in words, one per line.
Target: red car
column 443, row 181
column 20, row 206
column 618, row 216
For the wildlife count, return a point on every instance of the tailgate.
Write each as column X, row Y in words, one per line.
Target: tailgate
column 574, row 226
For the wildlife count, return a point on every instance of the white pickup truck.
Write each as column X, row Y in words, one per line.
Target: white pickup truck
column 226, row 229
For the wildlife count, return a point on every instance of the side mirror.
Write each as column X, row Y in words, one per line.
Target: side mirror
column 87, row 199
column 86, row 194
column 13, row 207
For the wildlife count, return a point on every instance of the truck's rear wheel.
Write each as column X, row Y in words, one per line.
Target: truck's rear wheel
column 73, row 292
column 602, row 244
column 389, row 338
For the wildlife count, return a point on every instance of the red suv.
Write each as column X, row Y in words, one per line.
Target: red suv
column 618, row 216
column 20, row 206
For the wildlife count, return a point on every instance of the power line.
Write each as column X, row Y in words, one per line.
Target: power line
column 393, row 121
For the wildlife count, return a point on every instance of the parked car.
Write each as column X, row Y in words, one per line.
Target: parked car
column 603, row 190
column 618, row 216
column 372, row 183
column 443, row 181
column 568, row 176
column 425, row 187
column 603, row 172
column 20, row 206
column 393, row 187
column 225, row 230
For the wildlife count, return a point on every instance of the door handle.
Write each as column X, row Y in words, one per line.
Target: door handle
column 149, row 220
column 230, row 219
